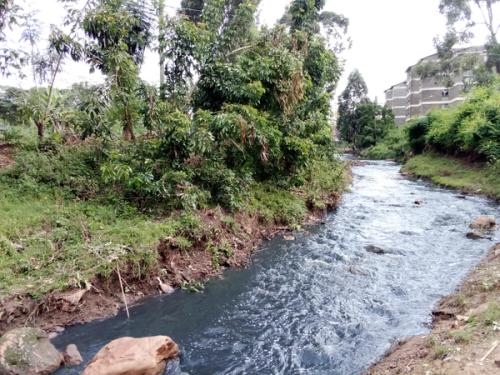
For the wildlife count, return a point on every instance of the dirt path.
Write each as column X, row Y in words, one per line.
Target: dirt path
column 465, row 338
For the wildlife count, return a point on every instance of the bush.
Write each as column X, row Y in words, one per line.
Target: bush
column 417, row 131
column 471, row 129
column 393, row 146
column 72, row 168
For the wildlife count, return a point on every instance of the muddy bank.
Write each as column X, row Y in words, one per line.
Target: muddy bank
column 465, row 336
column 102, row 297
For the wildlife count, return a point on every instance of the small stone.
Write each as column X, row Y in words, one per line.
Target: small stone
column 375, row 250
column 73, row 297
column 289, row 238
column 72, row 356
column 165, row 288
column 474, row 235
column 419, row 202
column 355, row 270
column 484, row 223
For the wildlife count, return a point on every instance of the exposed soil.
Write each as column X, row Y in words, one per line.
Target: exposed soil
column 465, row 336
column 6, row 155
column 103, row 298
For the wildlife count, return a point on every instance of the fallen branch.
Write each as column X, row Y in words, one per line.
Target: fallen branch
column 123, row 291
column 493, row 347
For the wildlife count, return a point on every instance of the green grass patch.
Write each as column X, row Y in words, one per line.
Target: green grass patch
column 52, row 239
column 454, row 173
column 49, row 242
column 491, row 315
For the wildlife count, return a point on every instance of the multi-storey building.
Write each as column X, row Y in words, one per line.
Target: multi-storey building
column 416, row 96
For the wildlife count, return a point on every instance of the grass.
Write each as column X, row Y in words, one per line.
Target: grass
column 453, row 173
column 50, row 240
column 462, row 337
column 491, row 315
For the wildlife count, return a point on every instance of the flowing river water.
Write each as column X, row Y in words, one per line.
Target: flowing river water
column 321, row 304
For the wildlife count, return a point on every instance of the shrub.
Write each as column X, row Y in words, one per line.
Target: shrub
column 393, row 146
column 72, row 168
column 417, row 131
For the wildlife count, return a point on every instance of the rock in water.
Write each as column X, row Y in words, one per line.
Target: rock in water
column 130, row 356
column 484, row 223
column 28, row 351
column 475, row 235
column 375, row 249
column 72, row 356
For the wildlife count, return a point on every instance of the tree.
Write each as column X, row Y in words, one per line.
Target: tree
column 162, row 45
column 7, row 15
column 307, row 16
column 459, row 13
column 120, row 32
column 192, row 9
column 450, row 66
column 353, row 95
column 370, row 123
column 10, row 58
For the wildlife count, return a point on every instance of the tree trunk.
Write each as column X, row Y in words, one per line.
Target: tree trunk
column 161, row 43
column 40, row 130
column 128, row 129
column 128, row 134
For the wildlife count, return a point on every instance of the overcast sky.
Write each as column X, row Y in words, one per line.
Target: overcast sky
column 388, row 36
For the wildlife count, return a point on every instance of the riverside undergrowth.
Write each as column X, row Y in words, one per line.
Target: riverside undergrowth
column 62, row 226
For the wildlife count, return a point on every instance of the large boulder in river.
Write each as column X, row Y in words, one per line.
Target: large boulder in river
column 28, row 351
column 484, row 223
column 130, row 356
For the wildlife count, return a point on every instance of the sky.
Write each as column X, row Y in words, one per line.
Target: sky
column 388, row 36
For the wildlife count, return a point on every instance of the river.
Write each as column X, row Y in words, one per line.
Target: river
column 321, row 304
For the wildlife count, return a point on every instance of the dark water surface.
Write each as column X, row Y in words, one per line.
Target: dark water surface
column 321, row 304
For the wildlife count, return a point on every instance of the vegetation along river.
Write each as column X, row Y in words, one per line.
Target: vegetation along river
column 323, row 303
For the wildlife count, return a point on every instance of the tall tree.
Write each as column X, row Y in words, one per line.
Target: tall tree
column 355, row 93
column 192, row 9
column 5, row 14
column 120, row 31
column 10, row 58
column 162, row 45
column 308, row 16
column 460, row 17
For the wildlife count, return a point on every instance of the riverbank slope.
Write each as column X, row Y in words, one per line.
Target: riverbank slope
column 455, row 173
column 66, row 260
column 465, row 336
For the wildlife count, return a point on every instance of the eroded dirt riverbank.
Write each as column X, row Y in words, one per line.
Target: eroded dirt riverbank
column 181, row 269
column 465, row 336
column 324, row 303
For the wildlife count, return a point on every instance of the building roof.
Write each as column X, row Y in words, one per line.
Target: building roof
column 456, row 51
column 397, row 84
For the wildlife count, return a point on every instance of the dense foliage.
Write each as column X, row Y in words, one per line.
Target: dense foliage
column 238, row 104
column 463, row 18
column 237, row 134
column 361, row 122
column 470, row 130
